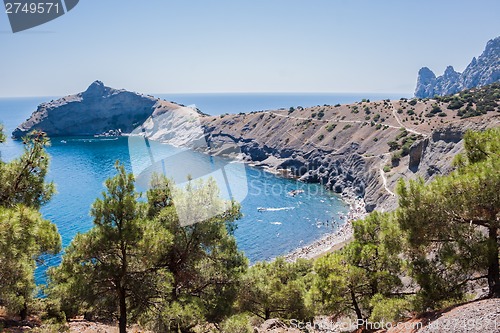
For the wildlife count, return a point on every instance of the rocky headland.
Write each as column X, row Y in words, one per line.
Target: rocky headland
column 99, row 110
column 480, row 72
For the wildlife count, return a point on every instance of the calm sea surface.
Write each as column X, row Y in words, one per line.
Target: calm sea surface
column 79, row 167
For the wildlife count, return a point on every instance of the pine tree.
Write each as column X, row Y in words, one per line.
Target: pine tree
column 277, row 289
column 203, row 258
column 364, row 277
column 110, row 270
column 453, row 223
column 24, row 235
column 139, row 264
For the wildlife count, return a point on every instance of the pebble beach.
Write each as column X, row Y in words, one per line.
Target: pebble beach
column 336, row 239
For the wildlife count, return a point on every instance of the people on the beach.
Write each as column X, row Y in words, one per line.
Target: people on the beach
column 357, row 211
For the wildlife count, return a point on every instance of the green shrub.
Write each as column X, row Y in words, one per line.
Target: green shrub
column 395, row 158
column 435, row 109
column 389, row 309
column 239, row 323
column 330, row 127
column 393, row 145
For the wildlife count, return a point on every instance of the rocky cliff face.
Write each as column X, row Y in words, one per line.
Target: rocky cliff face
column 98, row 110
column 480, row 72
column 343, row 152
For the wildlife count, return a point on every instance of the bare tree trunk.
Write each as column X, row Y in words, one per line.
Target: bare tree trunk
column 359, row 315
column 123, row 312
column 493, row 266
column 24, row 312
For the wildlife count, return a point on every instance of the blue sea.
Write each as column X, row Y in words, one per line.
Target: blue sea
column 273, row 222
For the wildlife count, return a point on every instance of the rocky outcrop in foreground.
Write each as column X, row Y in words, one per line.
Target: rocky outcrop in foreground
column 480, row 72
column 99, row 110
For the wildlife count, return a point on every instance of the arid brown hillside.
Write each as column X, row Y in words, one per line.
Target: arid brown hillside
column 365, row 146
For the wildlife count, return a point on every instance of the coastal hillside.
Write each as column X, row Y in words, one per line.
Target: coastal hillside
column 480, row 72
column 361, row 148
column 99, row 110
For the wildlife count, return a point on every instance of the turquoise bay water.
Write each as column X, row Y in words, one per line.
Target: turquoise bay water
column 79, row 167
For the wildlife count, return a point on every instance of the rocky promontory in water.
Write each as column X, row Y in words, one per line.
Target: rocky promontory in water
column 480, row 72
column 99, row 110
column 361, row 148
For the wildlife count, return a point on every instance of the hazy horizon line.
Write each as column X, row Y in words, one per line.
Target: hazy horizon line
column 403, row 94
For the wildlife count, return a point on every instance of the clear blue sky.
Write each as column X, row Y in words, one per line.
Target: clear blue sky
column 162, row 46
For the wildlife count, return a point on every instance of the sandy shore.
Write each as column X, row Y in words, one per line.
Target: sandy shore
column 335, row 240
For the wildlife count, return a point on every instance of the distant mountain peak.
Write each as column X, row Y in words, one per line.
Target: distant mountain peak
column 480, row 72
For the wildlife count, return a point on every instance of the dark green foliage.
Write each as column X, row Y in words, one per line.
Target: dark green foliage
column 478, row 101
column 330, row 127
column 395, row 158
column 462, row 231
column 22, row 181
column 455, row 104
column 362, row 278
column 277, row 289
column 403, row 132
column 24, row 235
column 376, row 117
column 140, row 262
column 435, row 109
column 393, row 145
column 108, row 270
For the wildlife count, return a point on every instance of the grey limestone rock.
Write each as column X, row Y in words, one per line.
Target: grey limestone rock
column 99, row 110
column 480, row 72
